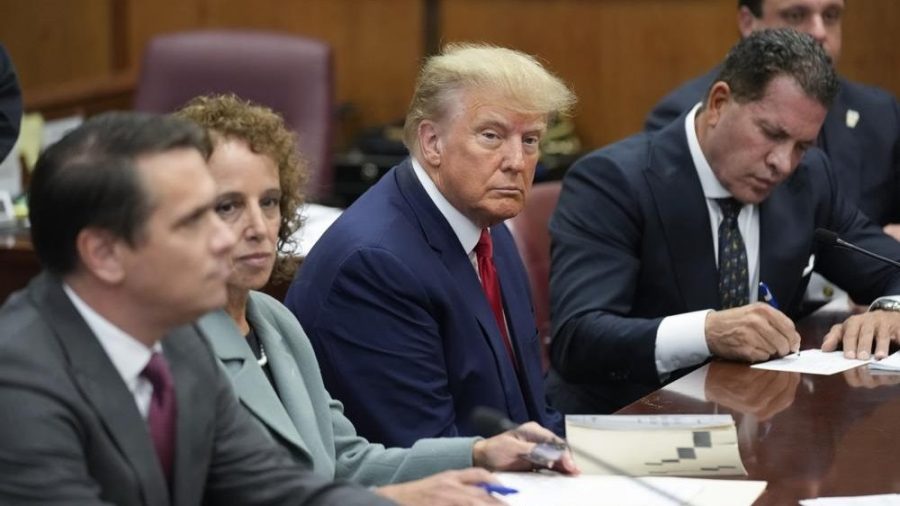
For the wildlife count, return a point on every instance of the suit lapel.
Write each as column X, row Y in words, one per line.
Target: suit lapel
column 442, row 239
column 682, row 211
column 783, row 253
column 520, row 318
column 102, row 386
column 249, row 381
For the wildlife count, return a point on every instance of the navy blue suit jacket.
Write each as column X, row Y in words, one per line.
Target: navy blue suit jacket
column 401, row 327
column 10, row 104
column 632, row 243
column 866, row 157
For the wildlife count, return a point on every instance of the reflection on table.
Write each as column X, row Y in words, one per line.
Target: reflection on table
column 807, row 435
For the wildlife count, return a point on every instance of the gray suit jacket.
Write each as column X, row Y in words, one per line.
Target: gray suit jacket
column 306, row 419
column 71, row 432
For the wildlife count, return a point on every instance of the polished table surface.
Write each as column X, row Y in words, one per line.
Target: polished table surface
column 806, row 435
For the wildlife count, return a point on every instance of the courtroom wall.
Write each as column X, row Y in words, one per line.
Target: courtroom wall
column 619, row 55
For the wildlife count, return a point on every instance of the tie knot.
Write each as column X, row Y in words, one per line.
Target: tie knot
column 157, row 372
column 485, row 247
column 730, row 207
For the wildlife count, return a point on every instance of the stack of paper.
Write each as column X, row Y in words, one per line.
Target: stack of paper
column 891, row 363
column 655, row 445
column 818, row 362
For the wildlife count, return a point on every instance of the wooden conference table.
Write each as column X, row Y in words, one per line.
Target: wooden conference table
column 806, row 435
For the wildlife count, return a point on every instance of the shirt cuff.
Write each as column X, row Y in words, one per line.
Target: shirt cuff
column 681, row 342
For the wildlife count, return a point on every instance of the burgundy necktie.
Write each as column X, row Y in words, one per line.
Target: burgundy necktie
column 484, row 252
column 161, row 416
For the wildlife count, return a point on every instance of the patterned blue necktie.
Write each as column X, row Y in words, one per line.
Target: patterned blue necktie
column 733, row 291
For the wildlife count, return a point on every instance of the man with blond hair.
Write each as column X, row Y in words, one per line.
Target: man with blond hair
column 416, row 300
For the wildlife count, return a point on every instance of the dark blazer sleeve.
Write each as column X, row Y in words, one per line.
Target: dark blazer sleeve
column 596, row 233
column 375, row 290
column 862, row 277
column 10, row 104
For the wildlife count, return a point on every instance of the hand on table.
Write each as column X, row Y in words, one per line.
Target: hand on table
column 860, row 334
column 504, row 452
column 450, row 488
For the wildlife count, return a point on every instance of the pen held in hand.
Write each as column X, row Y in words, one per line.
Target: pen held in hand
column 766, row 295
column 493, row 488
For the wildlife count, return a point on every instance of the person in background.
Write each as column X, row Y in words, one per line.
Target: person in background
column 416, row 300
column 271, row 363
column 109, row 394
column 861, row 132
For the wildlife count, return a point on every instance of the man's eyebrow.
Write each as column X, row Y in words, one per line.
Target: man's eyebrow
column 193, row 215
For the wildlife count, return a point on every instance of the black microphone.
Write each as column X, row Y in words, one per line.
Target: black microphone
column 829, row 238
column 489, row 422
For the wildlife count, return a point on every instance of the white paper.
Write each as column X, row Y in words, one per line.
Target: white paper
column 544, row 489
column 56, row 129
column 11, row 173
column 650, row 422
column 316, row 220
column 813, row 361
column 862, row 500
column 889, row 363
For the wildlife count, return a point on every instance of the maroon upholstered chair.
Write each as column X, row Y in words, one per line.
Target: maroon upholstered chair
column 292, row 75
column 529, row 229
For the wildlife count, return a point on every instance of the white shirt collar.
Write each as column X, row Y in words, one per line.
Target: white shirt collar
column 712, row 188
column 128, row 355
column 467, row 232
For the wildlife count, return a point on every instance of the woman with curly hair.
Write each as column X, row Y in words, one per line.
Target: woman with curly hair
column 271, row 363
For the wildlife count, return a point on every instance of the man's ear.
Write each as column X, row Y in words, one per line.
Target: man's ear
column 430, row 143
column 718, row 98
column 746, row 21
column 100, row 252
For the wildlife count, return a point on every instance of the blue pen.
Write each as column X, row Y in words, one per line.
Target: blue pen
column 766, row 295
column 493, row 488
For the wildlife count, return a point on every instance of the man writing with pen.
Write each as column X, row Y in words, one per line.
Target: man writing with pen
column 666, row 246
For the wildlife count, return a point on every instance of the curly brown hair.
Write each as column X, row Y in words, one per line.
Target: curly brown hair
column 230, row 117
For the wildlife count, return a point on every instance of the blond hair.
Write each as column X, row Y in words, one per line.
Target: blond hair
column 518, row 78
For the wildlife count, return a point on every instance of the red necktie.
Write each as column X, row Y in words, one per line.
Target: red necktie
column 161, row 416
column 484, row 252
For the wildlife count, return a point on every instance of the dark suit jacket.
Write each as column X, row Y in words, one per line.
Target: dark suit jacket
column 866, row 157
column 401, row 327
column 71, row 432
column 10, row 104
column 631, row 244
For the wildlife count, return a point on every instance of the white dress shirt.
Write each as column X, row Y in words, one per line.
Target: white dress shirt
column 467, row 232
column 681, row 339
column 128, row 355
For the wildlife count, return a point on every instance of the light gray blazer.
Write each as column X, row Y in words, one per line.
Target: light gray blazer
column 307, row 420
